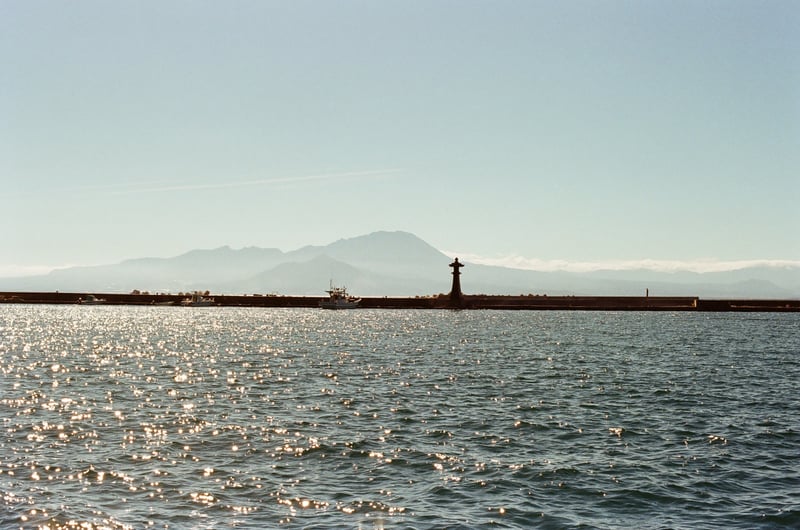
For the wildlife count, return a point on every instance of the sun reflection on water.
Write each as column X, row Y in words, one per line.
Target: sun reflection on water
column 297, row 417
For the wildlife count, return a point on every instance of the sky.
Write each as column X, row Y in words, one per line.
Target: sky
column 535, row 133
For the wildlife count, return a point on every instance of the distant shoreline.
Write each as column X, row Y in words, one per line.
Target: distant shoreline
column 529, row 303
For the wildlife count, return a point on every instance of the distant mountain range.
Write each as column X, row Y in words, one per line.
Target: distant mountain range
column 390, row 264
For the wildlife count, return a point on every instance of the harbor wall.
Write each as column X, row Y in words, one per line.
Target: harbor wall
column 532, row 302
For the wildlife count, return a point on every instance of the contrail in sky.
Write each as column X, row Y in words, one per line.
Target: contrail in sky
column 131, row 188
column 375, row 173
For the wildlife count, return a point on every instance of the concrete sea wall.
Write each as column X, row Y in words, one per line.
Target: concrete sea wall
column 541, row 302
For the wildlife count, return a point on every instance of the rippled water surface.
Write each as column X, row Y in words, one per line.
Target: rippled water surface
column 164, row 417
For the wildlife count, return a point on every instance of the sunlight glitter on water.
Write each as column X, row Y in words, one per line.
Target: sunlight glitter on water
column 398, row 418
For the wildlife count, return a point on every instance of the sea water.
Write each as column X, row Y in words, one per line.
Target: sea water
column 170, row 417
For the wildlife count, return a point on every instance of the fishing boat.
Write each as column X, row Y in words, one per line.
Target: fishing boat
column 197, row 300
column 339, row 299
column 91, row 300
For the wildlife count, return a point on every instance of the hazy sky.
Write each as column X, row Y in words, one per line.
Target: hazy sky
column 577, row 131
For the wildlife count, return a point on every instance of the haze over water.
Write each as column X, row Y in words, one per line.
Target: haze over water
column 159, row 417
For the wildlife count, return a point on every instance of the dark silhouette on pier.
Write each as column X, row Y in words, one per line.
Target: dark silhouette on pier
column 456, row 298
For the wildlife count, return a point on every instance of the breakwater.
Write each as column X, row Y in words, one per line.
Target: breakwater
column 530, row 302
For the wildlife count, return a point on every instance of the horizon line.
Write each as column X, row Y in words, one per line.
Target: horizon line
column 700, row 266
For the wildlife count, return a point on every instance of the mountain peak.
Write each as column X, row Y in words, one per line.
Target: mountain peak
column 399, row 245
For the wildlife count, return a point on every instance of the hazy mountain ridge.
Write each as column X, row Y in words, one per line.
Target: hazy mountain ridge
column 390, row 264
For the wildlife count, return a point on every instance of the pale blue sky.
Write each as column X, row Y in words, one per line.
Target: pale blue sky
column 577, row 131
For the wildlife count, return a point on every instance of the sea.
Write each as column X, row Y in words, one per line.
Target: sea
column 125, row 417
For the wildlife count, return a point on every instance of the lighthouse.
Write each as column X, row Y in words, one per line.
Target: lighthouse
column 455, row 291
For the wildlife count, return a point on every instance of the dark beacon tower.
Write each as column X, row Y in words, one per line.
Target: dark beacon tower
column 455, row 293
